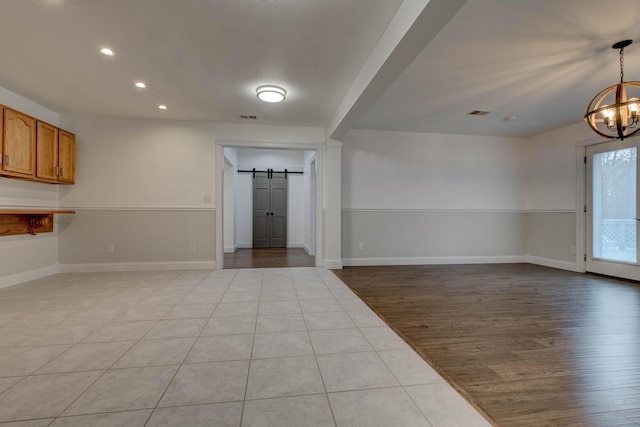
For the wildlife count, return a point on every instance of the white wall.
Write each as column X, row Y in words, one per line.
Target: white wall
column 229, row 200
column 432, row 198
column 154, row 174
column 552, row 195
column 26, row 257
column 308, row 217
column 402, row 170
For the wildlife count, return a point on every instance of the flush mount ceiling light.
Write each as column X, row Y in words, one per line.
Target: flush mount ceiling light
column 106, row 51
column 162, row 107
column 140, row 85
column 613, row 113
column 271, row 93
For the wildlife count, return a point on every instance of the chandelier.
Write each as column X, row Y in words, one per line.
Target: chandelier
column 613, row 113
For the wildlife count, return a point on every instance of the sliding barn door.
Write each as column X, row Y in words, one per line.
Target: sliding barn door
column 269, row 210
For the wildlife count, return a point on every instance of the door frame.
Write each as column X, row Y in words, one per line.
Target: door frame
column 581, row 200
column 613, row 268
column 219, row 186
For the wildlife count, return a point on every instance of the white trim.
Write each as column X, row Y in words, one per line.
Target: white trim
column 137, row 266
column 244, row 246
column 295, row 245
column 229, row 250
column 306, row 146
column 332, row 264
column 581, row 202
column 462, row 210
column 553, row 263
column 26, row 276
column 318, row 147
column 307, row 249
column 138, row 208
column 436, row 260
column 21, row 204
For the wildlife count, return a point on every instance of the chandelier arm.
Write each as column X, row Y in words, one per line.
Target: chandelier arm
column 618, row 109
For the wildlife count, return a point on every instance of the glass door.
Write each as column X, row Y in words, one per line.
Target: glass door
column 612, row 209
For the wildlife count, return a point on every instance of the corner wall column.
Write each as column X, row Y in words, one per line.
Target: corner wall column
column 332, row 205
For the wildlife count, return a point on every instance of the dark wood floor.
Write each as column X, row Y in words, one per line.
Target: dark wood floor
column 528, row 345
column 268, row 258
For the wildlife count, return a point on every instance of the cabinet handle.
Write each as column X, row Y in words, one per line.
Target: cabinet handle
column 57, row 172
column 61, row 171
column 6, row 160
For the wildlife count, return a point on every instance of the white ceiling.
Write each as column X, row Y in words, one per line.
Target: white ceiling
column 539, row 60
column 203, row 58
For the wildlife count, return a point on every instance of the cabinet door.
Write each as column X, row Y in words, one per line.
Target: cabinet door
column 47, row 152
column 67, row 157
column 19, row 144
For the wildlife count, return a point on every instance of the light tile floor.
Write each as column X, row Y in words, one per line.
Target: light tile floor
column 255, row 347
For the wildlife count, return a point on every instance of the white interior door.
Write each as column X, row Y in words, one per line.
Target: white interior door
column 612, row 209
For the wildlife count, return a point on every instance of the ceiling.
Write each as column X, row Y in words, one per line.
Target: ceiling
column 367, row 64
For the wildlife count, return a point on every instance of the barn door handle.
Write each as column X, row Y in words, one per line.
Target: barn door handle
column 637, row 219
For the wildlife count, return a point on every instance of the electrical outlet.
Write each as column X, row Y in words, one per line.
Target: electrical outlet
column 383, row 246
column 572, row 249
column 206, row 199
column 193, row 247
column 360, row 246
column 110, row 249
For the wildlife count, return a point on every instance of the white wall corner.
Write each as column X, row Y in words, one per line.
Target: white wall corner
column 16, row 279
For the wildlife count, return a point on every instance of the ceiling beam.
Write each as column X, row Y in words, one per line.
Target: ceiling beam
column 412, row 28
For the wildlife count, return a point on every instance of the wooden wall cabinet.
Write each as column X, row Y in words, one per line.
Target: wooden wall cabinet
column 66, row 157
column 35, row 150
column 18, row 144
column 56, row 151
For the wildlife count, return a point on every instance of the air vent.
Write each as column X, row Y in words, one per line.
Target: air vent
column 246, row 116
column 478, row 113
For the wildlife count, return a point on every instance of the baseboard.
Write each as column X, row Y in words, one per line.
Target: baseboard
column 332, row 264
column 244, row 246
column 307, row 249
column 295, row 245
column 229, row 250
column 553, row 263
column 26, row 276
column 137, row 266
column 505, row 259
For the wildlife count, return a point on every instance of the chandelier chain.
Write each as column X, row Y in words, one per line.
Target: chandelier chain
column 621, row 65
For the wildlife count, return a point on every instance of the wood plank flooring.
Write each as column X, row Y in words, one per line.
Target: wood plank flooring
column 528, row 345
column 269, row 258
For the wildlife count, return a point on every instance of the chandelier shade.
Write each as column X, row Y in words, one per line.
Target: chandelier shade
column 614, row 112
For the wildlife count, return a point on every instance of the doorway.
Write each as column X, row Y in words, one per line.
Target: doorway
column 275, row 211
column 612, row 210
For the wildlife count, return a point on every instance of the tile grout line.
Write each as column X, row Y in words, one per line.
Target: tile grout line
column 185, row 357
column 255, row 326
column 315, row 356
column 106, row 370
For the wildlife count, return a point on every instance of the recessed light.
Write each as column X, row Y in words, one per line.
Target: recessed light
column 140, row 85
column 271, row 94
column 106, row 51
column 162, row 107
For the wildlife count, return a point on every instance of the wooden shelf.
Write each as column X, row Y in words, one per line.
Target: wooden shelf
column 28, row 221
